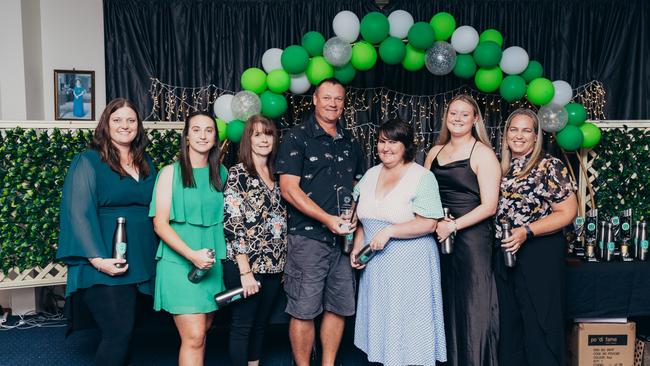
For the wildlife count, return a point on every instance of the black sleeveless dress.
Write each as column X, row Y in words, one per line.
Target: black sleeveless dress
column 468, row 287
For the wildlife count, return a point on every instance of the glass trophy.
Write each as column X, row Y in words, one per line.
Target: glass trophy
column 591, row 234
column 347, row 207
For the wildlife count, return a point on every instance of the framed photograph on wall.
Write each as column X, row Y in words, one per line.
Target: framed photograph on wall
column 74, row 95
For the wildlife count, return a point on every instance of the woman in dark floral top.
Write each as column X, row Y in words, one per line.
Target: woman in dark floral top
column 255, row 225
column 537, row 200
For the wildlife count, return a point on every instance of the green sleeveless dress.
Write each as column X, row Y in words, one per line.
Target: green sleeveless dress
column 196, row 215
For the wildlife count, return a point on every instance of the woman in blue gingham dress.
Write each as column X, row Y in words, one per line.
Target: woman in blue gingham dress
column 399, row 317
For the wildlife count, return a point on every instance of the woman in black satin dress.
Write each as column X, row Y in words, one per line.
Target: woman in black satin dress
column 468, row 175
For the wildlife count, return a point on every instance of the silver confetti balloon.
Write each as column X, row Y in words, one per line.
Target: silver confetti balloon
column 245, row 104
column 440, row 58
column 337, row 52
column 552, row 117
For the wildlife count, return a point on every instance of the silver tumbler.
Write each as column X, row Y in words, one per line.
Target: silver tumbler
column 509, row 258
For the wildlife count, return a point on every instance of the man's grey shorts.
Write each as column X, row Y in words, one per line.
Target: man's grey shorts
column 317, row 277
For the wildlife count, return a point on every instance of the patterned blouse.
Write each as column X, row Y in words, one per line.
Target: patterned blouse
column 525, row 200
column 255, row 221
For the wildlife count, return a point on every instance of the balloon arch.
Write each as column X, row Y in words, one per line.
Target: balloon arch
column 438, row 45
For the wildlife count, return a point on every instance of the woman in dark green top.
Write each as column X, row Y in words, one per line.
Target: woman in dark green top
column 113, row 178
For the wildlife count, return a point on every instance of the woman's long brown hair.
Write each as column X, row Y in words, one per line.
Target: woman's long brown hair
column 246, row 149
column 213, row 156
column 103, row 144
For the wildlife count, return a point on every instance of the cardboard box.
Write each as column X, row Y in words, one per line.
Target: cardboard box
column 603, row 344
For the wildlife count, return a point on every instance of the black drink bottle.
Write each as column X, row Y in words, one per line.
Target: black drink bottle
column 196, row 274
column 643, row 242
column 365, row 255
column 509, row 257
column 226, row 297
column 602, row 239
column 119, row 241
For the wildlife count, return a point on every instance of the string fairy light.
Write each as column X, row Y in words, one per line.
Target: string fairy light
column 366, row 108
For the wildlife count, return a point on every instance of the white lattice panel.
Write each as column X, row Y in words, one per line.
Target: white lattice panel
column 52, row 274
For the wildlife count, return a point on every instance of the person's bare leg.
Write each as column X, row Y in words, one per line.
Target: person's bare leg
column 192, row 329
column 331, row 331
column 301, row 334
column 254, row 363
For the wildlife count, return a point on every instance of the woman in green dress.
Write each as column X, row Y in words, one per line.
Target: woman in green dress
column 113, row 178
column 188, row 216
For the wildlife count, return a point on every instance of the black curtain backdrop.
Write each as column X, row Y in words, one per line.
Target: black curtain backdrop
column 199, row 42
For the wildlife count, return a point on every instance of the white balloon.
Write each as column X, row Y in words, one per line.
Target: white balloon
column 223, row 109
column 563, row 92
column 271, row 59
column 299, row 84
column 346, row 26
column 514, row 60
column 400, row 21
column 464, row 39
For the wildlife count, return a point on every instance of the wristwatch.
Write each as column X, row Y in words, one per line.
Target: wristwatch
column 529, row 233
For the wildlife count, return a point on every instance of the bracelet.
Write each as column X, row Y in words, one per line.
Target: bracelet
column 529, row 233
column 242, row 274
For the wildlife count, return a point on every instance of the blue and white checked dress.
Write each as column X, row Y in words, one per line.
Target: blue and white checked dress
column 399, row 317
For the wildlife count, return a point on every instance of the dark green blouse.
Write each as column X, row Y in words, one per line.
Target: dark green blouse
column 93, row 197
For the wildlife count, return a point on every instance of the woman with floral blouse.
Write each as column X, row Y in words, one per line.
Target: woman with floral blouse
column 255, row 224
column 537, row 200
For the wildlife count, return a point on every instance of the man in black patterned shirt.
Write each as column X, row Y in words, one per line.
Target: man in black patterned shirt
column 314, row 160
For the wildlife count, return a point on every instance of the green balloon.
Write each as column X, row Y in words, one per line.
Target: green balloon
column 491, row 35
column 278, row 81
column 488, row 80
column 254, row 79
column 364, row 56
column 221, row 128
column 273, row 105
column 294, row 59
column 513, row 88
column 465, row 66
column 577, row 113
column 235, row 130
column 421, row 35
column 345, row 74
column 374, row 27
column 413, row 59
column 540, row 91
column 591, row 135
column 318, row 70
column 392, row 50
column 533, row 71
column 569, row 138
column 313, row 42
column 443, row 25
column 487, row 54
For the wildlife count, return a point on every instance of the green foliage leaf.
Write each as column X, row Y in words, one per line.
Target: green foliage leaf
column 33, row 165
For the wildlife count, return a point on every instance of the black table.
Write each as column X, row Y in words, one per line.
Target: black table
column 607, row 289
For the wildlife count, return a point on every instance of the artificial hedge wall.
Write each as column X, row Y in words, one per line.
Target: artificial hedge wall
column 33, row 165
column 623, row 172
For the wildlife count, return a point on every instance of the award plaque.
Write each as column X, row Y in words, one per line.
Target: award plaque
column 347, row 207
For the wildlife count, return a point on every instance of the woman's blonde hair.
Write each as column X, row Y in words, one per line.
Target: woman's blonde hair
column 538, row 151
column 478, row 131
